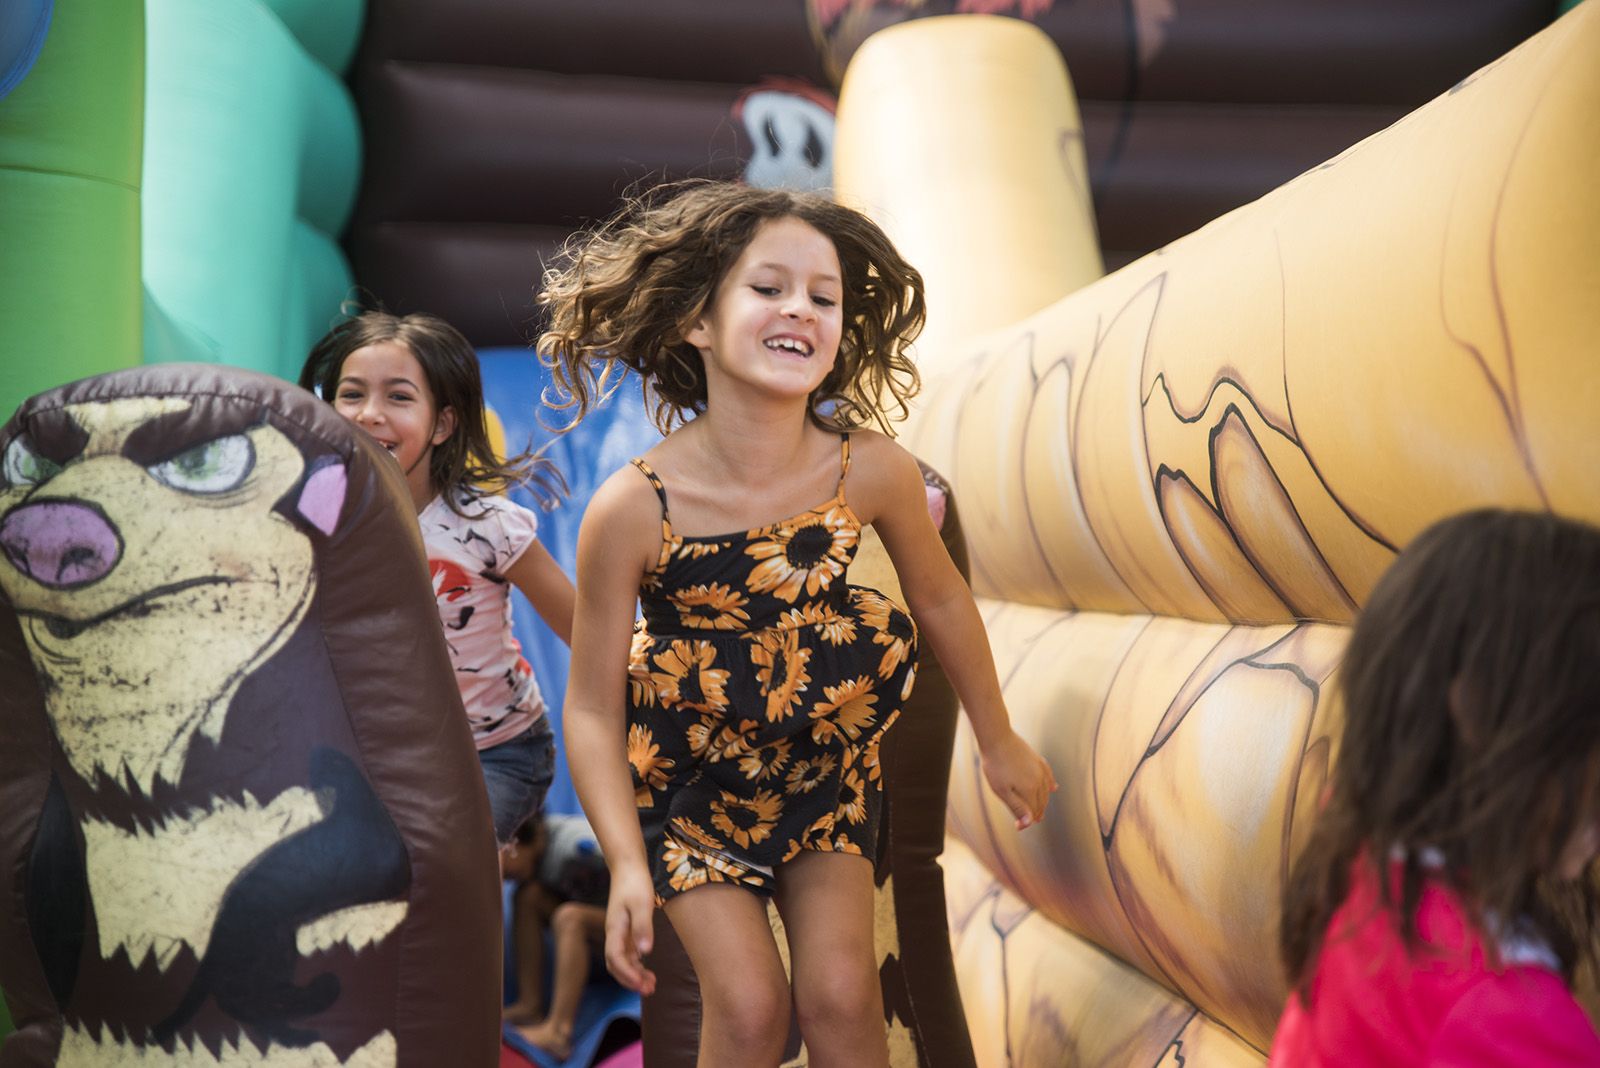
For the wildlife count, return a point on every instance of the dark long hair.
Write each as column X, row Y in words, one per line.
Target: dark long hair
column 624, row 293
column 464, row 465
column 1472, row 728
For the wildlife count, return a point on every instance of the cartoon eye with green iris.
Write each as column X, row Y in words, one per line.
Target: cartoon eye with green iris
column 24, row 467
column 214, row 467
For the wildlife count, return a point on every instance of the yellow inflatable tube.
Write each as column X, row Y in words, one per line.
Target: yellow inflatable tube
column 1245, row 424
column 934, row 164
column 1181, row 481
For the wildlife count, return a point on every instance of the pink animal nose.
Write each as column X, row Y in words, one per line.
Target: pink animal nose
column 60, row 543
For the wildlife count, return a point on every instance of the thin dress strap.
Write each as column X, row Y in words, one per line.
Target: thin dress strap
column 655, row 482
column 666, row 517
column 844, row 463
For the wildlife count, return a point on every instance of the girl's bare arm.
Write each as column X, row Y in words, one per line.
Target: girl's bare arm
column 547, row 588
column 887, row 483
column 621, row 532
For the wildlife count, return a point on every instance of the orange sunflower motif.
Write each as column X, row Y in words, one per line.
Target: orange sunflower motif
column 713, row 739
column 781, row 671
column 641, row 687
column 649, row 766
column 890, row 627
column 805, row 556
column 711, row 607
column 841, row 844
column 694, row 550
column 832, row 626
column 766, row 762
column 684, row 870
column 852, row 798
column 695, row 834
column 870, row 760
column 747, row 820
column 806, row 775
column 687, row 679
column 818, row 831
column 847, row 711
column 707, row 852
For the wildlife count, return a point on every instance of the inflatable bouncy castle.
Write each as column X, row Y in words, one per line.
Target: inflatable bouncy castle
column 1180, row 482
column 1352, row 263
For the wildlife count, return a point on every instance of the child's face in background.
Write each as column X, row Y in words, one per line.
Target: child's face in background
column 776, row 317
column 383, row 390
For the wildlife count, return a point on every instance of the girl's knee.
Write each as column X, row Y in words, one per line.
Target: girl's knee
column 567, row 917
column 751, row 1011
column 839, row 998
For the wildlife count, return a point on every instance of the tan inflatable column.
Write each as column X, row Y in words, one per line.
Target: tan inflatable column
column 934, row 109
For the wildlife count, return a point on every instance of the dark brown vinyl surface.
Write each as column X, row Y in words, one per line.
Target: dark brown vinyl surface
column 513, row 123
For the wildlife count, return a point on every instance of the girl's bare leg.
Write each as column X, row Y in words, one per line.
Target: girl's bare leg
column 743, row 990
column 826, row 903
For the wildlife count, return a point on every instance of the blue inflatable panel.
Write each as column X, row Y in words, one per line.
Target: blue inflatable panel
column 23, row 24
column 513, row 382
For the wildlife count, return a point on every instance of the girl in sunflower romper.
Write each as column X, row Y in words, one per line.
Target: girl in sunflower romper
column 759, row 686
column 725, row 747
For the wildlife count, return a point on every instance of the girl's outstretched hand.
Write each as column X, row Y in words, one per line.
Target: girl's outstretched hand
column 629, row 929
column 1019, row 777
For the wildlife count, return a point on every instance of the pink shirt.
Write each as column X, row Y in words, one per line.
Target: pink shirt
column 1373, row 1004
column 468, row 559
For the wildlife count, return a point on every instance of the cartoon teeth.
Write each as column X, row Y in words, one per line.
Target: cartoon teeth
column 357, row 927
column 157, row 890
column 81, row 1049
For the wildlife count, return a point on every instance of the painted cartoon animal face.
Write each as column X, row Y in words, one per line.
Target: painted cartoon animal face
column 151, row 574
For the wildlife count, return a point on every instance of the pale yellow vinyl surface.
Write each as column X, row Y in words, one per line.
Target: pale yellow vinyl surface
column 1179, row 483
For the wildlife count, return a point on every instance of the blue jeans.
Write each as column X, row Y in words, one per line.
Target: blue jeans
column 517, row 773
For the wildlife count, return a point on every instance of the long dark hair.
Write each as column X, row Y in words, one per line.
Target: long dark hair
column 463, row 466
column 624, row 293
column 1472, row 729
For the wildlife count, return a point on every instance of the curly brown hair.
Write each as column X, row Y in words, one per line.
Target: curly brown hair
column 623, row 295
column 465, row 462
column 1472, row 727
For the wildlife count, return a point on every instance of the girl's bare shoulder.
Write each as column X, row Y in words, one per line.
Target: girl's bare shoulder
column 882, row 474
column 624, row 515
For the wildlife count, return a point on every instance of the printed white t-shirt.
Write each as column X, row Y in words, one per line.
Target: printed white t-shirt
column 467, row 559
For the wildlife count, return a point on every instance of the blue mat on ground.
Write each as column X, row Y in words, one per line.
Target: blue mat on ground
column 513, row 382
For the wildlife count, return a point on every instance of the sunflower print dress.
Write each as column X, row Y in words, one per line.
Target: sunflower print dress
column 760, row 684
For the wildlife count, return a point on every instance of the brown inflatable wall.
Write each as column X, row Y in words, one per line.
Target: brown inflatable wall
column 495, row 127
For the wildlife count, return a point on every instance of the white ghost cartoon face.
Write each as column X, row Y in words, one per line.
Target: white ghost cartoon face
column 791, row 132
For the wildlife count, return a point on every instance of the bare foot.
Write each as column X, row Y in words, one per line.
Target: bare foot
column 522, row 1012
column 554, row 1040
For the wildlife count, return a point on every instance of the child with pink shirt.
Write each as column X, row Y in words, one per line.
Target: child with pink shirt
column 413, row 383
column 1445, row 898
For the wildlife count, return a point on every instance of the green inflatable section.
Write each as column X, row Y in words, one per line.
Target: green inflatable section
column 69, row 202
column 247, row 180
column 329, row 29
